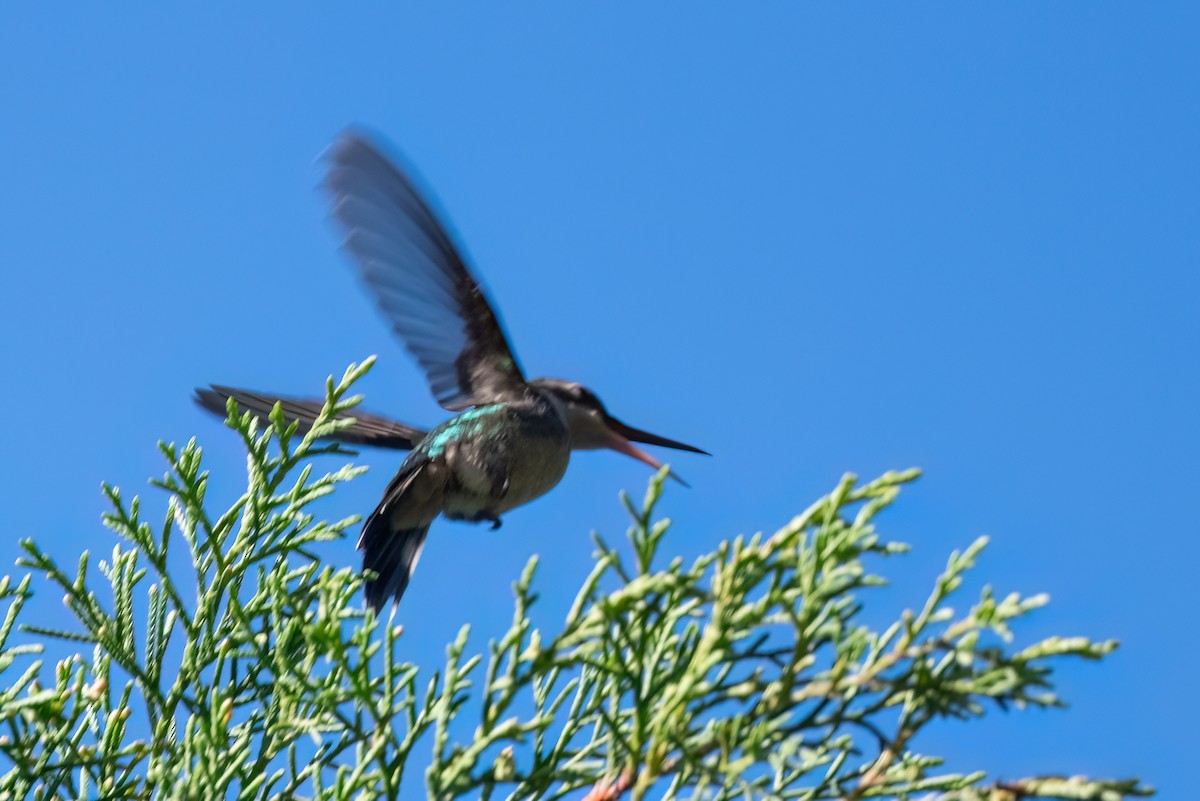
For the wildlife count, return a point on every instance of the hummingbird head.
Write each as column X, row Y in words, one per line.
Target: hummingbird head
column 592, row 427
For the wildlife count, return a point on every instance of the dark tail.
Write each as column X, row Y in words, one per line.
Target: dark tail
column 392, row 556
column 388, row 552
column 368, row 429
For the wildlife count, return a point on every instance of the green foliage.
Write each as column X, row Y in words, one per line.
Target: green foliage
column 219, row 659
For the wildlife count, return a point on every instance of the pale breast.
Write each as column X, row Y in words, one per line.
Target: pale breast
column 536, row 468
column 522, row 456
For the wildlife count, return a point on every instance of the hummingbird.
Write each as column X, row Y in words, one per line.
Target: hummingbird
column 511, row 438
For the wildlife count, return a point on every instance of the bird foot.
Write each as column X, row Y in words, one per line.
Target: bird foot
column 481, row 517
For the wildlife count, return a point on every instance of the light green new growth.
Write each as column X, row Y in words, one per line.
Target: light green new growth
column 217, row 658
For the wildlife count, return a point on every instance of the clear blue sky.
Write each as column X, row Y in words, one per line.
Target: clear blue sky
column 810, row 238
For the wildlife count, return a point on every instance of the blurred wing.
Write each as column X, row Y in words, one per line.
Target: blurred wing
column 368, row 429
column 418, row 278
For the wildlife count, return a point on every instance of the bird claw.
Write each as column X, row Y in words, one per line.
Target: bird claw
column 482, row 517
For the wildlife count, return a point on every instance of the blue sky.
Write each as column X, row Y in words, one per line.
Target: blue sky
column 809, row 238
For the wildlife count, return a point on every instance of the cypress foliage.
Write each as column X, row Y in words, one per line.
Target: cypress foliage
column 217, row 658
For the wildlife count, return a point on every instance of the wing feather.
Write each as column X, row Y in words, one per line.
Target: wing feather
column 419, row 279
column 368, row 429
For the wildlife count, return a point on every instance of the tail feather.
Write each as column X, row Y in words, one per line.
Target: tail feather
column 368, row 429
column 391, row 549
column 392, row 556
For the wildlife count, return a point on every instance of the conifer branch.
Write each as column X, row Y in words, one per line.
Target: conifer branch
column 213, row 655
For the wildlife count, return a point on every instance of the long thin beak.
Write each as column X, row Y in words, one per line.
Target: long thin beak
column 623, row 436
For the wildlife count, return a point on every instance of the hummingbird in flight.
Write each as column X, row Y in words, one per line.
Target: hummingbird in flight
column 511, row 438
